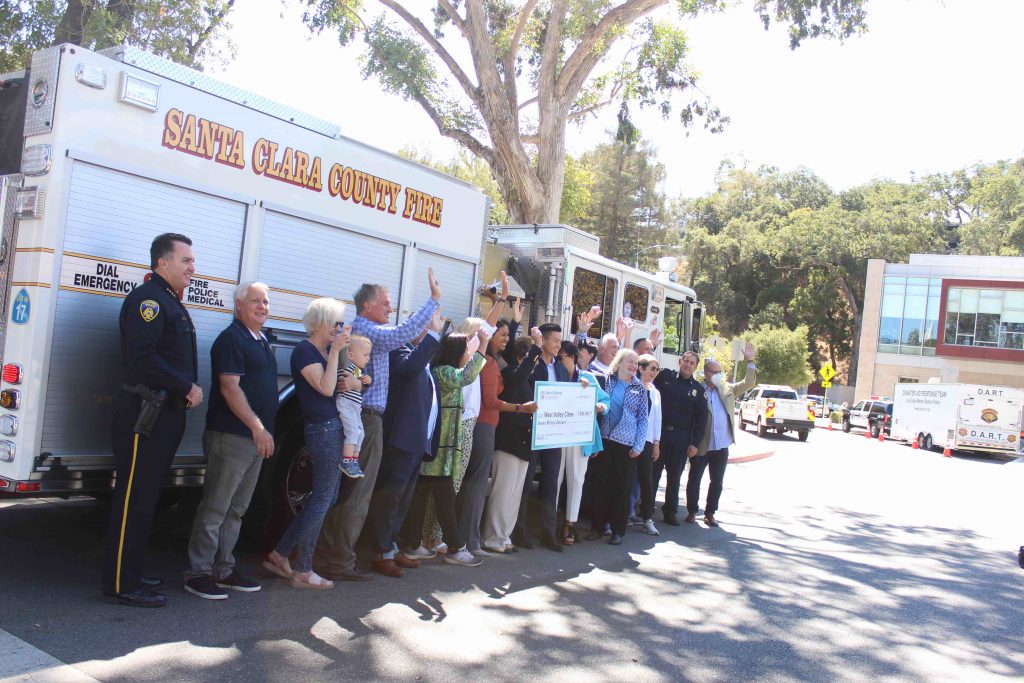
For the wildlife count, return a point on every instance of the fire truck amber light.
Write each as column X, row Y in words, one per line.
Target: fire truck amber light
column 12, row 373
column 7, row 451
column 37, row 160
column 8, row 425
column 10, row 399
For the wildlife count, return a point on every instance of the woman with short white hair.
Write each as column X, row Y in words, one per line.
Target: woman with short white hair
column 314, row 366
column 624, row 431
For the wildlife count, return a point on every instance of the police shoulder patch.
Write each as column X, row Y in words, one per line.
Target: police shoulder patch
column 149, row 310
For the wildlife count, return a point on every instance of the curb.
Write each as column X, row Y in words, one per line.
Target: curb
column 751, row 458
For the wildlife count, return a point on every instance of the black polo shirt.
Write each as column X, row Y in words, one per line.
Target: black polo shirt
column 237, row 352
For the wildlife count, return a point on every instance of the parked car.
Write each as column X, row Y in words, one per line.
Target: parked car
column 873, row 414
column 820, row 407
column 780, row 408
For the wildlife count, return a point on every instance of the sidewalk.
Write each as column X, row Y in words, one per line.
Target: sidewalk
column 23, row 663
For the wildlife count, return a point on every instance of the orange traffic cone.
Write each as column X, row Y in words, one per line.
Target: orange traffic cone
column 947, row 452
column 830, row 424
column 913, row 445
column 881, row 436
column 867, row 433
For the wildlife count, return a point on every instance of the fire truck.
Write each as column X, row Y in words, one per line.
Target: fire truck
column 102, row 151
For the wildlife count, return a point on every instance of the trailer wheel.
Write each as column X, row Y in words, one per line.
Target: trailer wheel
column 928, row 442
column 762, row 429
column 802, row 434
column 920, row 441
column 846, row 426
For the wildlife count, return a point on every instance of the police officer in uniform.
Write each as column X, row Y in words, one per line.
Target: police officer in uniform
column 683, row 420
column 158, row 346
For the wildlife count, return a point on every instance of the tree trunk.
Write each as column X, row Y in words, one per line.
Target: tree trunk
column 71, row 28
column 851, row 301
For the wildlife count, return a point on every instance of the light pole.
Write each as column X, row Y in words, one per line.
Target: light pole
column 636, row 256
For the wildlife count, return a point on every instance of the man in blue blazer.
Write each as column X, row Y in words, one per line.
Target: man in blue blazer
column 410, row 433
column 548, row 337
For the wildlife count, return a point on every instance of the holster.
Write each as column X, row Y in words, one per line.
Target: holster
column 152, row 403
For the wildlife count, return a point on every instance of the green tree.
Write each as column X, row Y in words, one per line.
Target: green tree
column 189, row 32
column 782, row 355
column 505, row 78
column 627, row 209
column 994, row 208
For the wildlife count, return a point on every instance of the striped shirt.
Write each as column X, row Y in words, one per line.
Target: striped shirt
column 354, row 395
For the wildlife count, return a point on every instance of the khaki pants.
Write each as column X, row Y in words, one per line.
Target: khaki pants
column 503, row 503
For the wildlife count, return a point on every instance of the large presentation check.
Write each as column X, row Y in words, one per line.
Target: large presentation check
column 565, row 415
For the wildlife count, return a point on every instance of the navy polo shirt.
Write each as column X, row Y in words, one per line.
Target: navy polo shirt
column 237, row 352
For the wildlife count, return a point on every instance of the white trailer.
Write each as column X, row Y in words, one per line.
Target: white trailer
column 969, row 417
column 120, row 146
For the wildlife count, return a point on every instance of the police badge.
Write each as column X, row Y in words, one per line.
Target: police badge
column 149, row 310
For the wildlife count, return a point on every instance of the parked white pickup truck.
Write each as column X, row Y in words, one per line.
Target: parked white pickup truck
column 771, row 406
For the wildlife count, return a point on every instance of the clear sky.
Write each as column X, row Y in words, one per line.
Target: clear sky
column 933, row 86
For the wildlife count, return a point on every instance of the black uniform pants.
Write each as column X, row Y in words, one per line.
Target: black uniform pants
column 672, row 461
column 141, row 472
column 443, row 491
column 550, row 462
column 612, row 484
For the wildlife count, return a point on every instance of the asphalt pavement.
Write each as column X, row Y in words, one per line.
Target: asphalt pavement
column 837, row 559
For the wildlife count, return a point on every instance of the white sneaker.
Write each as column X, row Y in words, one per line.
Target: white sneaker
column 480, row 552
column 463, row 558
column 439, row 549
column 649, row 528
column 420, row 553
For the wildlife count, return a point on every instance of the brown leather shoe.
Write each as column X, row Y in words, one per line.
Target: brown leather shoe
column 406, row 562
column 387, row 568
column 710, row 520
column 691, row 518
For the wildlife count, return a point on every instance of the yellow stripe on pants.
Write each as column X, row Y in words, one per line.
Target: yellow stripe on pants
column 124, row 515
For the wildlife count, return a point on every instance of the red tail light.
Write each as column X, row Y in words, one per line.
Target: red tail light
column 27, row 486
column 13, row 373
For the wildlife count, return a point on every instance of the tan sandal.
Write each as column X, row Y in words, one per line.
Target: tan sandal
column 281, row 566
column 568, row 533
column 313, row 581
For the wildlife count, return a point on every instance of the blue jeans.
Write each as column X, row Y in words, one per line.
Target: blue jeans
column 324, row 442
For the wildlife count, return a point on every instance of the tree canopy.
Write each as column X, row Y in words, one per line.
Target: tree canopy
column 505, row 78
column 181, row 30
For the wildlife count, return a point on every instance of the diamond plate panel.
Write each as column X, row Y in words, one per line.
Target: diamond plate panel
column 195, row 79
column 523, row 240
column 45, row 67
column 9, row 186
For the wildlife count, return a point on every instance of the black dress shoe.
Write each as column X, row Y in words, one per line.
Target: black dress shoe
column 615, row 539
column 139, row 598
column 551, row 544
column 522, row 540
column 151, row 581
column 672, row 521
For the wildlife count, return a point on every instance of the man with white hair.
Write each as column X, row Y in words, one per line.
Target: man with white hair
column 239, row 436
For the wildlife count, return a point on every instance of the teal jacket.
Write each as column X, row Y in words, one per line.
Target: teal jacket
column 597, row 445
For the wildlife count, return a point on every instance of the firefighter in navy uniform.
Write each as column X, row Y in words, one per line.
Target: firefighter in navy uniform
column 158, row 346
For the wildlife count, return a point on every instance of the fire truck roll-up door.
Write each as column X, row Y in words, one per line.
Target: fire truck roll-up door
column 112, row 218
column 302, row 260
column 457, row 281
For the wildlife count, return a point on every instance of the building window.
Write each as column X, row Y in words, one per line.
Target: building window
column 986, row 318
column 638, row 299
column 907, row 380
column 910, row 315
